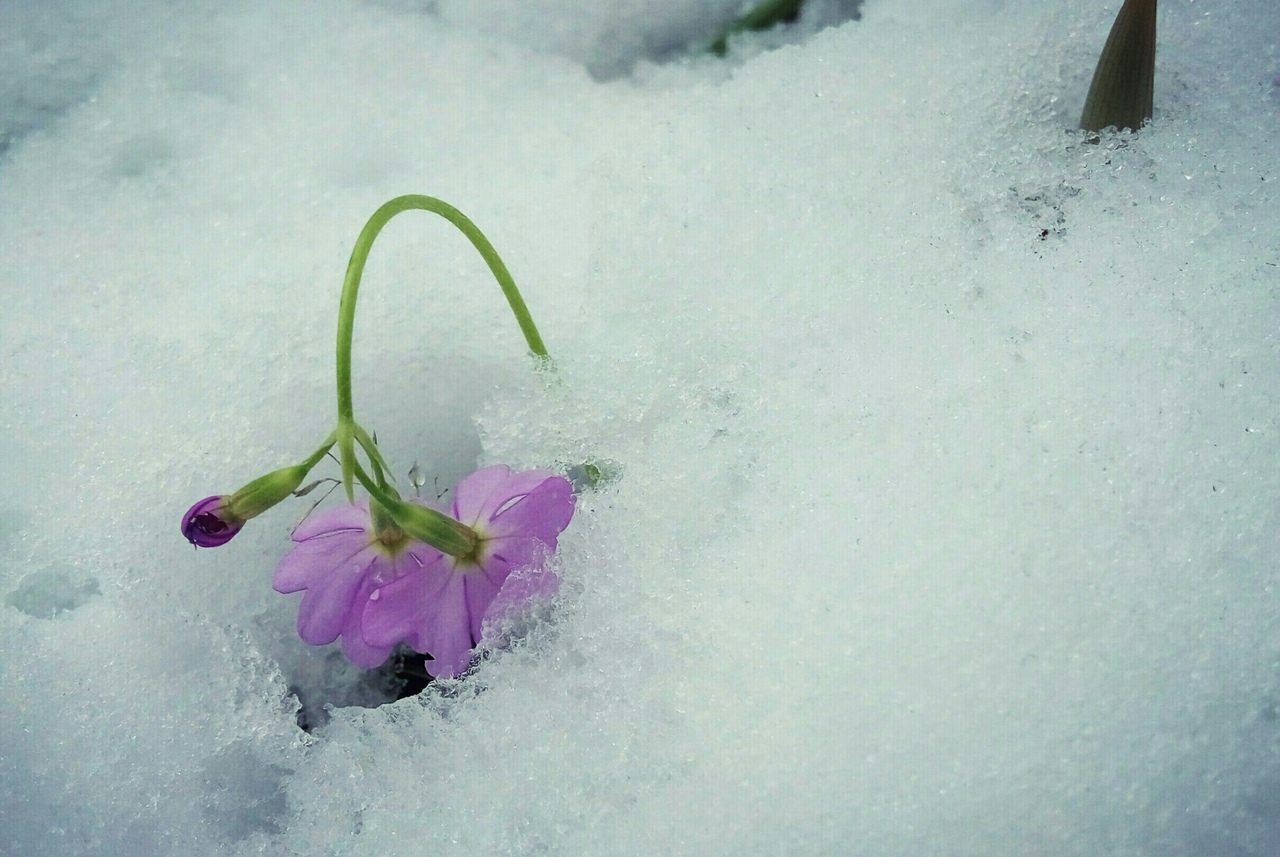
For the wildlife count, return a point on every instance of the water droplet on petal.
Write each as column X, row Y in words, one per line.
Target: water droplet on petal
column 417, row 478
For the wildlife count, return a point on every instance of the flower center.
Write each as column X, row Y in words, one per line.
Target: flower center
column 474, row 561
column 392, row 542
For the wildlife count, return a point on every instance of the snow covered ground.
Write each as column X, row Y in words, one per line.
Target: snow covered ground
column 947, row 500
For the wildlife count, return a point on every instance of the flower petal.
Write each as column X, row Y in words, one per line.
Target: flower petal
column 450, row 641
column 210, row 523
column 471, row 494
column 330, row 597
column 543, row 512
column 416, row 558
column 428, row 609
column 480, row 592
column 354, row 646
column 513, row 492
column 316, row 558
column 362, row 654
column 348, row 516
column 401, row 609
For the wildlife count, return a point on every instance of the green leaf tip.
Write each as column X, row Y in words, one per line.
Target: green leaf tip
column 760, row 17
column 1123, row 82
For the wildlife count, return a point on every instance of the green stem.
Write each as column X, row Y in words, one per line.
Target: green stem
column 375, row 491
column 321, row 452
column 370, row 448
column 355, row 268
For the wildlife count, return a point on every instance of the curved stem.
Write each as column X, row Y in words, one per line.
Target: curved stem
column 355, row 268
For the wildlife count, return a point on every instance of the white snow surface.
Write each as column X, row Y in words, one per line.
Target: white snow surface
column 945, row 441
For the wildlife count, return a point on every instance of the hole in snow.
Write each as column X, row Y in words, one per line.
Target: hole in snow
column 331, row 681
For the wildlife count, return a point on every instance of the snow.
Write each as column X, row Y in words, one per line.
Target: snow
column 943, row 437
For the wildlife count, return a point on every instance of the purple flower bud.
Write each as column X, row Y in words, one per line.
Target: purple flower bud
column 214, row 521
column 210, row 523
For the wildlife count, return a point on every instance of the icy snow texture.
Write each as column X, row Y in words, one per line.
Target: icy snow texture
column 947, row 509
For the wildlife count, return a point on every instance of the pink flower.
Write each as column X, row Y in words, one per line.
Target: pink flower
column 340, row 561
column 440, row 605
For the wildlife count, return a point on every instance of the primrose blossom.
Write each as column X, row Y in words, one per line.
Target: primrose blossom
column 340, row 559
column 440, row 606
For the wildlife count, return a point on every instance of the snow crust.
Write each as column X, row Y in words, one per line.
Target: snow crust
column 945, row 510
